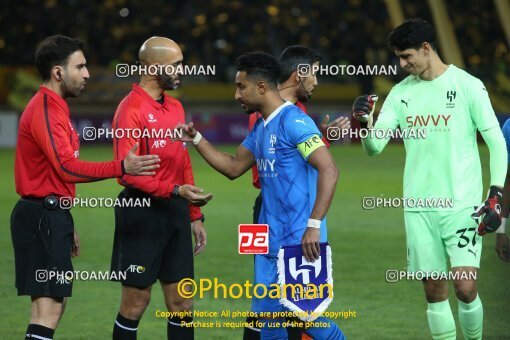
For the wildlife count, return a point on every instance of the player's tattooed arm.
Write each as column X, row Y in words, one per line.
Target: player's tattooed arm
column 232, row 166
column 322, row 160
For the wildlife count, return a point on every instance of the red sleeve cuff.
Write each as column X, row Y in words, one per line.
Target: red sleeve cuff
column 195, row 213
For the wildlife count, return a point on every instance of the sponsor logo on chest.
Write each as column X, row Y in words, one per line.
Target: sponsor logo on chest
column 151, row 118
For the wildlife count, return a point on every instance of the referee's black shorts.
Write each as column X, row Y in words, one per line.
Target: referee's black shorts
column 42, row 240
column 153, row 242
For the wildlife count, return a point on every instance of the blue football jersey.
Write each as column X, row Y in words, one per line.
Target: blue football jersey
column 288, row 182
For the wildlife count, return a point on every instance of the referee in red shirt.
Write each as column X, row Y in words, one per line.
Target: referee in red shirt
column 46, row 168
column 297, row 89
column 154, row 242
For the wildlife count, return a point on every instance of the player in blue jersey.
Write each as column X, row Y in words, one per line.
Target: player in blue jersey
column 297, row 174
column 502, row 244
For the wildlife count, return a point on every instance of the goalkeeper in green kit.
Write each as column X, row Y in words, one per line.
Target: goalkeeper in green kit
column 450, row 105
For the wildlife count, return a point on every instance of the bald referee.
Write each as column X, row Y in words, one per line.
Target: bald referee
column 154, row 243
column 47, row 167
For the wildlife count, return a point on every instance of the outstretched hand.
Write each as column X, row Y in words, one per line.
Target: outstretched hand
column 188, row 132
column 140, row 165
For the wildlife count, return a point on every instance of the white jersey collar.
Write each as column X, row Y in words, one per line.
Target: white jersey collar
column 275, row 112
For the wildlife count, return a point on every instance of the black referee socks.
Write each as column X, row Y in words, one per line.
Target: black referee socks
column 39, row 332
column 125, row 329
column 178, row 328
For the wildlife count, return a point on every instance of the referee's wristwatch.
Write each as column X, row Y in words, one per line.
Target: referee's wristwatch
column 175, row 192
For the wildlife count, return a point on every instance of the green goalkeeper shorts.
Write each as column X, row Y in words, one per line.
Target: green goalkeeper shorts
column 433, row 237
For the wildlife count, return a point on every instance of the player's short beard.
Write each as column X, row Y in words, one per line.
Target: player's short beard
column 302, row 95
column 66, row 92
column 166, row 82
column 248, row 110
column 304, row 98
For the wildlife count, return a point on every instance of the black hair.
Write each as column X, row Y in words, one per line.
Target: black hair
column 293, row 56
column 412, row 34
column 260, row 65
column 55, row 50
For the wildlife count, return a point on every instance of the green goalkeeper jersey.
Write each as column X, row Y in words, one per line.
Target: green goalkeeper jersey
column 445, row 164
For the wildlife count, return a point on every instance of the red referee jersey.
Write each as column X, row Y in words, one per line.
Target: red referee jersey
column 138, row 111
column 47, row 151
column 251, row 123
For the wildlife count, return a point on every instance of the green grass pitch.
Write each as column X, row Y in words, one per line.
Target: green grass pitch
column 365, row 244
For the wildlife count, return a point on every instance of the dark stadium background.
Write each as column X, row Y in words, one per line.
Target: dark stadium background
column 471, row 34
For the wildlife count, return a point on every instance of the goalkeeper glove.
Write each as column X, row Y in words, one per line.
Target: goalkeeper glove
column 489, row 212
column 363, row 108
